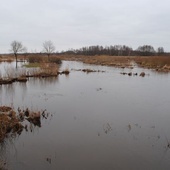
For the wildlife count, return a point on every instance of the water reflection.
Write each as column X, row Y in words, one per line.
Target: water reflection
column 8, row 69
column 43, row 82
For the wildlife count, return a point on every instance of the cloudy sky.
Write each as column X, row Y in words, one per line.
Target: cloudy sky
column 76, row 23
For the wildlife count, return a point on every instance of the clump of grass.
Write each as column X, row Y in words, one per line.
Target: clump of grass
column 66, row 71
column 12, row 123
column 47, row 70
column 9, row 123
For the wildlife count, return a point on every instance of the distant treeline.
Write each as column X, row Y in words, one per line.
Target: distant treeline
column 117, row 50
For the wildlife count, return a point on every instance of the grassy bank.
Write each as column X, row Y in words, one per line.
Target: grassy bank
column 158, row 63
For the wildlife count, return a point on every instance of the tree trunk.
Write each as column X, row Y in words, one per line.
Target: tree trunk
column 48, row 57
column 16, row 60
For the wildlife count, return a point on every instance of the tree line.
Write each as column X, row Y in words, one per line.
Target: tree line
column 117, row 50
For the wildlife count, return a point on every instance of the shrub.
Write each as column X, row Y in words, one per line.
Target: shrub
column 36, row 59
column 55, row 60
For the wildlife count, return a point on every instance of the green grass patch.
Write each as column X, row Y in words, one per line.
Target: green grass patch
column 30, row 65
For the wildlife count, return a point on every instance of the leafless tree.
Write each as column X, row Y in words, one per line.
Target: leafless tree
column 146, row 50
column 48, row 48
column 17, row 47
column 160, row 50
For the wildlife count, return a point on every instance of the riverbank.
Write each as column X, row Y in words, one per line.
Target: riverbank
column 157, row 63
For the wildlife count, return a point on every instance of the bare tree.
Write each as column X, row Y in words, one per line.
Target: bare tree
column 146, row 50
column 160, row 50
column 17, row 47
column 48, row 48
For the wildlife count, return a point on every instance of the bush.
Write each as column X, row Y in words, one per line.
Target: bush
column 35, row 59
column 54, row 60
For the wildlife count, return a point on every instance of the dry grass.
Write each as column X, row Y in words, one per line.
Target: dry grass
column 45, row 70
column 117, row 61
column 160, row 63
column 49, row 68
column 54, row 59
column 6, row 58
column 22, row 73
column 35, row 58
column 9, row 123
column 12, row 123
column 109, row 61
column 33, row 71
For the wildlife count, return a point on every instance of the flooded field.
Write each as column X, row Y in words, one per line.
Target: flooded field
column 98, row 121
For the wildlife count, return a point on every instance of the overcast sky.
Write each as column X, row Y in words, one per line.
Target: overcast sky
column 76, row 23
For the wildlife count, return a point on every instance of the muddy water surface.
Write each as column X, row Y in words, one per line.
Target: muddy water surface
column 98, row 121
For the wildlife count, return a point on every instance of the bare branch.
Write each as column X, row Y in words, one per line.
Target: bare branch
column 17, row 47
column 48, row 47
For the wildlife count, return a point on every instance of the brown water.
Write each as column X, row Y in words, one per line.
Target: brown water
column 100, row 121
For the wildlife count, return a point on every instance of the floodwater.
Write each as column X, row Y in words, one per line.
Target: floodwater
column 98, row 121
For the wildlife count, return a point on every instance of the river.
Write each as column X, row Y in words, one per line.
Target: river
column 98, row 121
